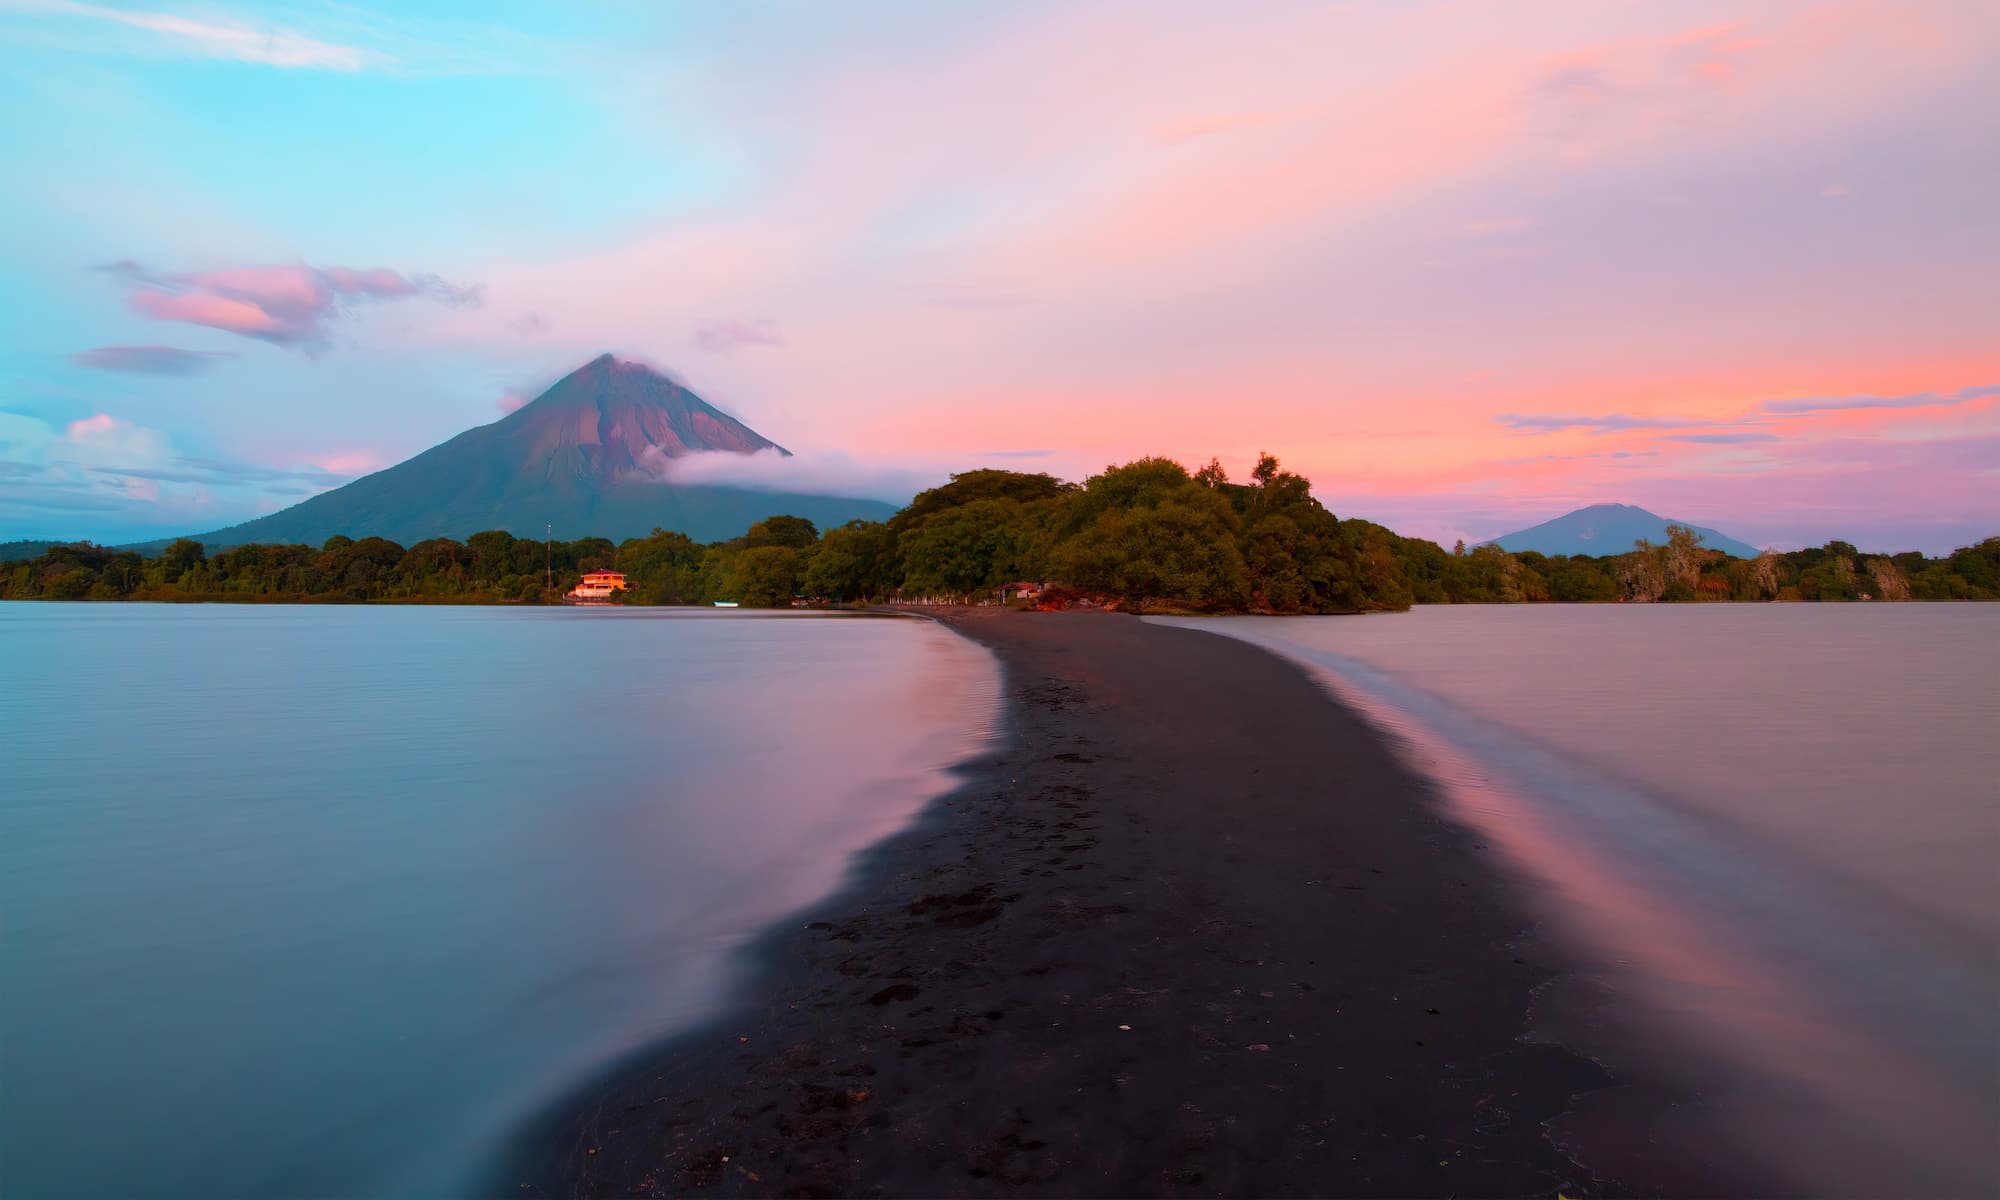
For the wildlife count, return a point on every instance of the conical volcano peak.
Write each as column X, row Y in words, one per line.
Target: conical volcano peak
column 1604, row 529
column 600, row 372
column 612, row 417
column 608, row 361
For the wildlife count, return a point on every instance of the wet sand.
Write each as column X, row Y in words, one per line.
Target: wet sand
column 1188, row 930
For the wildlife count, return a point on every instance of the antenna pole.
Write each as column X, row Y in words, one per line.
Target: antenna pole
column 548, row 558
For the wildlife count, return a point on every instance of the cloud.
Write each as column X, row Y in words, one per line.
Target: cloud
column 1605, row 423
column 1575, row 77
column 220, row 36
column 147, row 360
column 289, row 306
column 1714, row 56
column 1723, row 439
column 226, row 469
column 102, row 436
column 720, row 337
column 1847, row 403
column 1620, row 422
column 823, row 473
column 1549, row 458
column 57, row 469
column 352, row 463
column 205, row 470
column 134, row 480
column 1833, row 190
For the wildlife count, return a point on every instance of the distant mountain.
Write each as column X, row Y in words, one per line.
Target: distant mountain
column 586, row 456
column 1610, row 529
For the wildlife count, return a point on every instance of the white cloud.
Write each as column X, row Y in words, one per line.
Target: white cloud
column 105, row 440
column 221, row 36
column 23, row 438
column 821, row 473
column 103, row 477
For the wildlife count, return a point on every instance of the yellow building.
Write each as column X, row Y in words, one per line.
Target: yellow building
column 598, row 585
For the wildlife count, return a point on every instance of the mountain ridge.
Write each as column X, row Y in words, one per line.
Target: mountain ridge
column 586, row 456
column 1601, row 529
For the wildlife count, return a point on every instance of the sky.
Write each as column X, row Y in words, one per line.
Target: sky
column 1466, row 265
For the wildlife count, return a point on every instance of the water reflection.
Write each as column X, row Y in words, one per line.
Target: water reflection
column 322, row 901
column 1812, row 1023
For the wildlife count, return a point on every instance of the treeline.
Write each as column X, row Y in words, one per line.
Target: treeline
column 1682, row 570
column 1147, row 535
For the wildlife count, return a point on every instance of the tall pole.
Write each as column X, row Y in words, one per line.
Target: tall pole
column 549, row 559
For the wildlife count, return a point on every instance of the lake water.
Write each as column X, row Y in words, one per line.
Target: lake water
column 1769, row 833
column 322, row 901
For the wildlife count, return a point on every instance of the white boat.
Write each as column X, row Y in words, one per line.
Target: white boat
column 725, row 604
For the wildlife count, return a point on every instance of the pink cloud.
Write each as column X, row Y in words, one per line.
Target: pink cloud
column 92, row 428
column 1003, row 257
column 1715, row 54
column 102, row 439
column 359, row 462
column 244, row 317
column 147, row 360
column 290, row 305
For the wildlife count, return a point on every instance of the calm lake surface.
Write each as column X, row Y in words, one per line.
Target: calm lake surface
column 1773, row 830
column 321, row 901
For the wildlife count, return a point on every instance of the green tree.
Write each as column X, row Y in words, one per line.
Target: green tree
column 854, row 562
column 765, row 576
column 1141, row 484
column 964, row 488
column 181, row 556
column 493, row 555
column 663, row 567
column 73, row 584
column 1180, row 551
column 968, row 550
column 797, row 533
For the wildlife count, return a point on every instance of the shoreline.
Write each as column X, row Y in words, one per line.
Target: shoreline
column 1189, row 929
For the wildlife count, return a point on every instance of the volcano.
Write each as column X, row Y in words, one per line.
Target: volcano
column 1610, row 529
column 588, row 457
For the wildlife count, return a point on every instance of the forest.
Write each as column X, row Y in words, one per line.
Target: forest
column 1146, row 536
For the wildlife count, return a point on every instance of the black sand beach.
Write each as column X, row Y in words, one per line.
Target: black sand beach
column 1189, row 930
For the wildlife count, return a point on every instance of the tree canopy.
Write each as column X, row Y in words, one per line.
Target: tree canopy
column 1149, row 534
